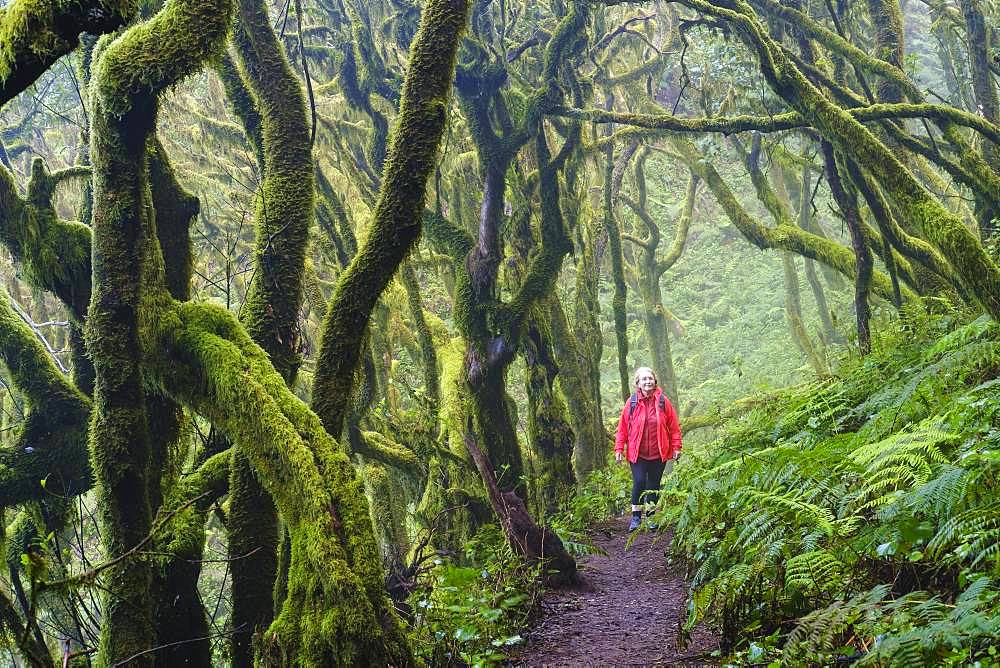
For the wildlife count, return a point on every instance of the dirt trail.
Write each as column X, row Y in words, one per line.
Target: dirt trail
column 628, row 612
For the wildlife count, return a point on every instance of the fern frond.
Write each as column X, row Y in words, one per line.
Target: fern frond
column 813, row 571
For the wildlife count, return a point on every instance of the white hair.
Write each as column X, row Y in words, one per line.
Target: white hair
column 635, row 376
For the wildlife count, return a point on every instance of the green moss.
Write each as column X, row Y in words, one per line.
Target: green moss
column 592, row 448
column 386, row 451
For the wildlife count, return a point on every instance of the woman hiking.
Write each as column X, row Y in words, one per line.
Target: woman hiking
column 649, row 436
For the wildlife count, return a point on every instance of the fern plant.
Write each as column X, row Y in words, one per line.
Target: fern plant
column 843, row 514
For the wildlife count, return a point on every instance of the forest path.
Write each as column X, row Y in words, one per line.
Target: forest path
column 627, row 612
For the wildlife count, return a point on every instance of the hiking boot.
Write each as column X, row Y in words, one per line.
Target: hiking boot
column 652, row 526
column 634, row 524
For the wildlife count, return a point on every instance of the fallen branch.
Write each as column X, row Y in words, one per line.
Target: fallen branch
column 533, row 542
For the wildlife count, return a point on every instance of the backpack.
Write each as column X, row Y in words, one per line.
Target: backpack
column 634, row 400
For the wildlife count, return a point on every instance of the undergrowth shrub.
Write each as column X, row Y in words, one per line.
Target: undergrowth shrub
column 605, row 493
column 854, row 518
column 469, row 613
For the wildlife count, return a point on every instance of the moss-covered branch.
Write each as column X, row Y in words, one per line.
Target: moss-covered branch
column 980, row 274
column 413, row 148
column 49, row 455
column 34, row 34
column 784, row 237
column 55, row 253
column 683, row 225
column 386, row 451
column 780, row 122
column 336, row 612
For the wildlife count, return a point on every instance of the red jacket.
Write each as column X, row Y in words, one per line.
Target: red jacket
column 630, row 429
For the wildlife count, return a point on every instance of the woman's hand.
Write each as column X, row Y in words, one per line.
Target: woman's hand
column 618, row 458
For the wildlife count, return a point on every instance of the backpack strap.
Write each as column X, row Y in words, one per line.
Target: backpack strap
column 634, row 399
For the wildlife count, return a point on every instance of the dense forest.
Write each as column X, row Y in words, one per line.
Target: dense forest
column 317, row 318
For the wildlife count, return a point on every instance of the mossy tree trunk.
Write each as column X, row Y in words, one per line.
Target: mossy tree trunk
column 593, row 444
column 489, row 350
column 650, row 270
column 583, row 400
column 847, row 202
column 978, row 40
column 282, row 216
column 793, row 312
column 614, row 236
column 129, row 287
column 550, row 433
column 428, row 354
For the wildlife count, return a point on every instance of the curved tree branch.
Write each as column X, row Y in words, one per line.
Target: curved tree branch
column 35, row 34
column 413, row 148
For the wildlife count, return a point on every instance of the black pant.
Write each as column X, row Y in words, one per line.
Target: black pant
column 646, row 476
